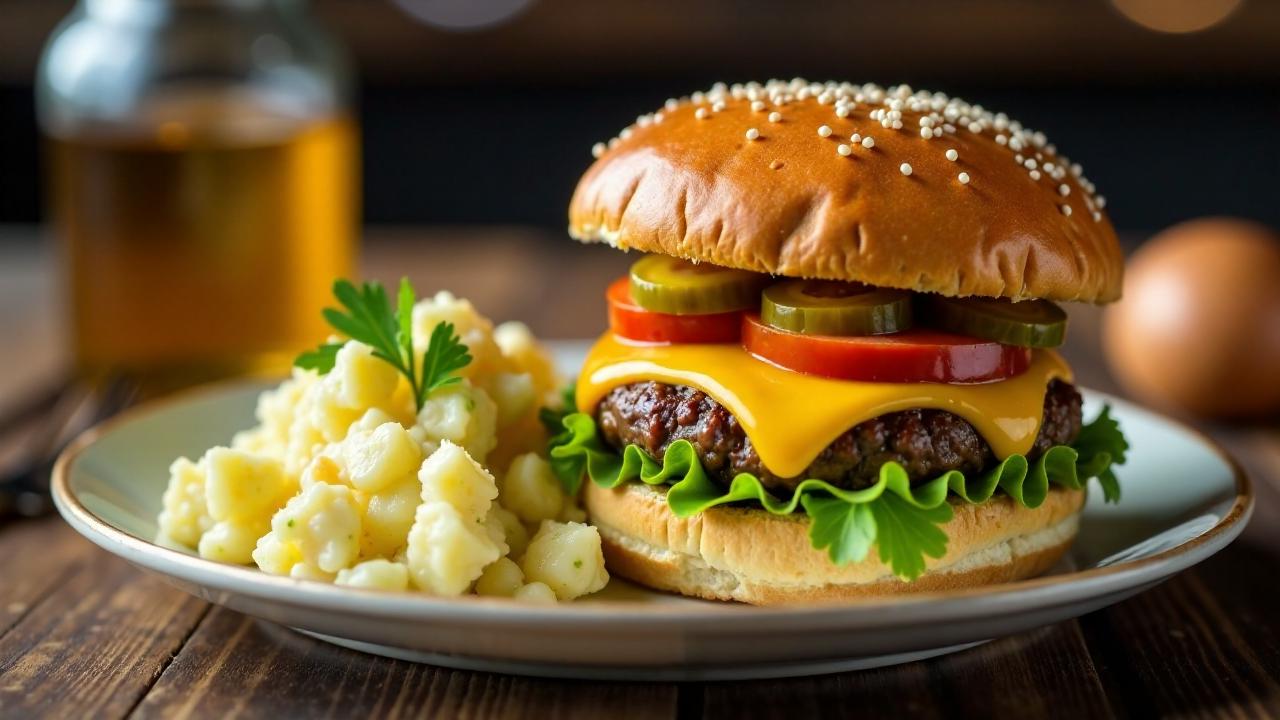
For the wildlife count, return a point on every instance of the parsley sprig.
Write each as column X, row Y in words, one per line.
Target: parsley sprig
column 370, row 319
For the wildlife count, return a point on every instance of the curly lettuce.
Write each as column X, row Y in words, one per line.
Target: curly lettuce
column 902, row 522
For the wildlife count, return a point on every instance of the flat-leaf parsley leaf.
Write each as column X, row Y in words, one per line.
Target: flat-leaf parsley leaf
column 369, row 318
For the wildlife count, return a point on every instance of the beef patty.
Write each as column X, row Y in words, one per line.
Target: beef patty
column 926, row 442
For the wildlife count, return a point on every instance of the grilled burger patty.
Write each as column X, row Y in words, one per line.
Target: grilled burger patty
column 927, row 443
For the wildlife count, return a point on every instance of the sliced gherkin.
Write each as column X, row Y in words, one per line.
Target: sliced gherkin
column 819, row 307
column 665, row 284
column 1028, row 323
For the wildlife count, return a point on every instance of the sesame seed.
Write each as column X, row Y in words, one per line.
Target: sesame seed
column 775, row 165
column 753, row 134
column 598, row 149
column 1097, row 216
column 824, row 131
column 896, row 107
column 905, row 168
column 1102, row 201
column 844, row 149
column 963, row 178
column 1066, row 210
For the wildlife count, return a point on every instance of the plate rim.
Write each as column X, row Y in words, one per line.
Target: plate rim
column 1044, row 591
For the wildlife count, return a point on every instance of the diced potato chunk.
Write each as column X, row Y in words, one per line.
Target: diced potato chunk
column 535, row 592
column 530, row 489
column 376, row 574
column 567, row 557
column 501, row 579
column 451, row 476
column 446, row 551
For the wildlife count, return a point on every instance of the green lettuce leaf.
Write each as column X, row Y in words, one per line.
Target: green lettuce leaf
column 901, row 521
column 1102, row 443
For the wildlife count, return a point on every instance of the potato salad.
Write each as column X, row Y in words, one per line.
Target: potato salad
column 373, row 474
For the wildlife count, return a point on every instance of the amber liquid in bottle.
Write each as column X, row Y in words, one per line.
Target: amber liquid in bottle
column 205, row 244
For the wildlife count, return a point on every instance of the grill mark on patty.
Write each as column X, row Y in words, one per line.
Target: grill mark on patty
column 925, row 442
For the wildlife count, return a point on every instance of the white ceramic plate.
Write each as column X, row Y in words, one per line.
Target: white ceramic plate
column 1184, row 500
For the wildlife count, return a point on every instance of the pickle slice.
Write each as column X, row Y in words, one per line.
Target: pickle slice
column 818, row 307
column 1029, row 323
column 665, row 284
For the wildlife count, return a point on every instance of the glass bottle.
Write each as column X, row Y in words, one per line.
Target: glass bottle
column 203, row 182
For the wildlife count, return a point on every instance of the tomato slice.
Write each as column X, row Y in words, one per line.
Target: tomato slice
column 911, row 356
column 629, row 320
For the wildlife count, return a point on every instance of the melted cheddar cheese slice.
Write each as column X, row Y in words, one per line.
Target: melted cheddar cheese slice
column 791, row 417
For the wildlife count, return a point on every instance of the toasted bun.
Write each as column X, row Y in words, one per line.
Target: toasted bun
column 749, row 555
column 788, row 203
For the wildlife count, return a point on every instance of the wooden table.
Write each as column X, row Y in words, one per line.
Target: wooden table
column 83, row 634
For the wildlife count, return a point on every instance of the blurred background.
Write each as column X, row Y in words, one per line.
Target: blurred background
column 484, row 111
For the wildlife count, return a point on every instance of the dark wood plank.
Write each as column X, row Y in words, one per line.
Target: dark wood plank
column 36, row 556
column 93, row 647
column 906, row 691
column 1046, row 674
column 235, row 666
column 1204, row 644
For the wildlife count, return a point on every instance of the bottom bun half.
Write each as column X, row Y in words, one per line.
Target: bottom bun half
column 752, row 556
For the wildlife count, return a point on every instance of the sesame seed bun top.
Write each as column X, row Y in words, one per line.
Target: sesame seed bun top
column 857, row 183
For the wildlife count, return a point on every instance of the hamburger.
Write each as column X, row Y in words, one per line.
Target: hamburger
column 832, row 374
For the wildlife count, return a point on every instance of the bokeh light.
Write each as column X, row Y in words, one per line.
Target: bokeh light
column 1177, row 16
column 463, row 14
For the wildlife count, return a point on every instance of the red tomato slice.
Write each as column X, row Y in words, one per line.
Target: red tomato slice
column 630, row 321
column 911, row 356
